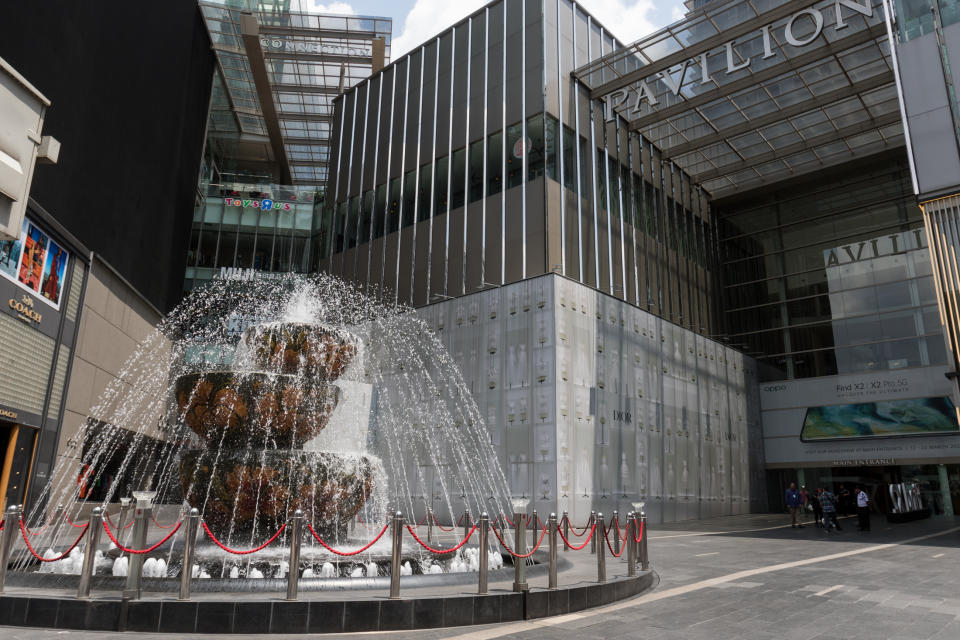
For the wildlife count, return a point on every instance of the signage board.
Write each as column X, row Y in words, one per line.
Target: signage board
column 800, row 29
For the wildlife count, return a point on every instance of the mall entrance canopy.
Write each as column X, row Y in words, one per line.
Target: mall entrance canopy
column 743, row 93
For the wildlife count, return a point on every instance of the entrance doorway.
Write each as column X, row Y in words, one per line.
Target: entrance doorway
column 16, row 454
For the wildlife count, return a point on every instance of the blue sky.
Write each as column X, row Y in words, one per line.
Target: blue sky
column 414, row 21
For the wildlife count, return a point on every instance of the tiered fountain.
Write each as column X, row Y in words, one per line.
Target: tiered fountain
column 252, row 471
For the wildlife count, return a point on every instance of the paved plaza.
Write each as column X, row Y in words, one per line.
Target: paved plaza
column 755, row 577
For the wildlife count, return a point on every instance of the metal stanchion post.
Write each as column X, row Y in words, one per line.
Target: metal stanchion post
column 644, row 559
column 534, row 528
column 125, row 504
column 466, row 522
column 57, row 516
column 552, row 523
column 189, row 542
column 631, row 546
column 616, row 541
column 484, row 553
column 395, row 556
column 601, row 558
column 593, row 540
column 429, row 525
column 566, row 530
column 296, row 538
column 519, row 544
column 135, row 563
column 94, row 525
column 11, row 526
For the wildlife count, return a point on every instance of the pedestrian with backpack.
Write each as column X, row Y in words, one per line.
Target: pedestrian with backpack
column 828, row 502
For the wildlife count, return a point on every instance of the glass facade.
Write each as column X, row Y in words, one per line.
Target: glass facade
column 831, row 275
column 247, row 226
column 489, row 176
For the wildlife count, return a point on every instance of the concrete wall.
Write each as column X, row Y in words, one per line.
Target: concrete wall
column 114, row 319
column 593, row 404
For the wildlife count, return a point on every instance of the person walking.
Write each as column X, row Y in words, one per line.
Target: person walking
column 794, row 503
column 817, row 508
column 843, row 501
column 828, row 502
column 863, row 510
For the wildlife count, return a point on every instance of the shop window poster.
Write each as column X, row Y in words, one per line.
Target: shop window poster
column 35, row 262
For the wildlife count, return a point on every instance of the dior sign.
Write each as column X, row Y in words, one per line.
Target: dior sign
column 794, row 34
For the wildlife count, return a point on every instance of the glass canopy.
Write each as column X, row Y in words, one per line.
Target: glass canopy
column 304, row 55
column 744, row 92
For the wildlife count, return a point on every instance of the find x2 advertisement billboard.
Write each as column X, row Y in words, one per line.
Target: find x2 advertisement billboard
column 885, row 418
column 35, row 262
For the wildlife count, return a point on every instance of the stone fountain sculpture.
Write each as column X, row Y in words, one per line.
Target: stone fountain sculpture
column 253, row 472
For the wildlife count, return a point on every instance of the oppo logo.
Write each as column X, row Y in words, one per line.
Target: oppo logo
column 775, row 387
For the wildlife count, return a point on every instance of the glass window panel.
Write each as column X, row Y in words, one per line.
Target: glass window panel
column 440, row 192
column 495, row 163
column 459, row 175
column 514, row 150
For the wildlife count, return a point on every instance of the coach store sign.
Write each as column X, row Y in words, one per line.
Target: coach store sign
column 801, row 29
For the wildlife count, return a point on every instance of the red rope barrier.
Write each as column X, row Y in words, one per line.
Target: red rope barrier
column 640, row 536
column 116, row 542
column 160, row 525
column 110, row 520
column 511, row 552
column 36, row 533
column 234, row 551
column 508, row 521
column 440, row 551
column 63, row 555
column 422, row 520
column 2, row 522
column 585, row 542
column 349, row 553
column 441, row 527
column 72, row 523
column 573, row 529
column 610, row 546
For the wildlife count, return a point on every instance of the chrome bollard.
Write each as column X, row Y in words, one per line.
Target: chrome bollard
column 125, row 504
column 601, row 558
column 644, row 558
column 10, row 528
column 429, row 525
column 552, row 523
column 484, row 553
column 593, row 540
column 135, row 560
column 566, row 530
column 57, row 516
column 94, row 526
column 616, row 541
column 519, row 564
column 466, row 522
column 631, row 546
column 189, row 542
column 534, row 527
column 395, row 556
column 296, row 539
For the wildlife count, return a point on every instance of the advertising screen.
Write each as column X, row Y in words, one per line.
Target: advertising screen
column 35, row 262
column 900, row 417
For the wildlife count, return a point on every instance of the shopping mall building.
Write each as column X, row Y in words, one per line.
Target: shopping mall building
column 684, row 271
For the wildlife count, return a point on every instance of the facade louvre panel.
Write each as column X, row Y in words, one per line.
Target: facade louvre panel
column 24, row 365
column 76, row 289
column 56, row 388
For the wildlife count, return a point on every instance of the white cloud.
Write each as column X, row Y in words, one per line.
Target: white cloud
column 314, row 6
column 629, row 20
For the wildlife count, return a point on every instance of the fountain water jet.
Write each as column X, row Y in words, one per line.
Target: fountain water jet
column 295, row 392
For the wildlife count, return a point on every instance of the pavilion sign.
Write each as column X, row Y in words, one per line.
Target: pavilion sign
column 674, row 78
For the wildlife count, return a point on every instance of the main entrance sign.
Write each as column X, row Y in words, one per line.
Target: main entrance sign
column 674, row 78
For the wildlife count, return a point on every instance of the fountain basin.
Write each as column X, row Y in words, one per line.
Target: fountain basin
column 241, row 492
column 254, row 410
column 299, row 348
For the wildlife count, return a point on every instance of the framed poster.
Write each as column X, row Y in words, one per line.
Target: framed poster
column 36, row 263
